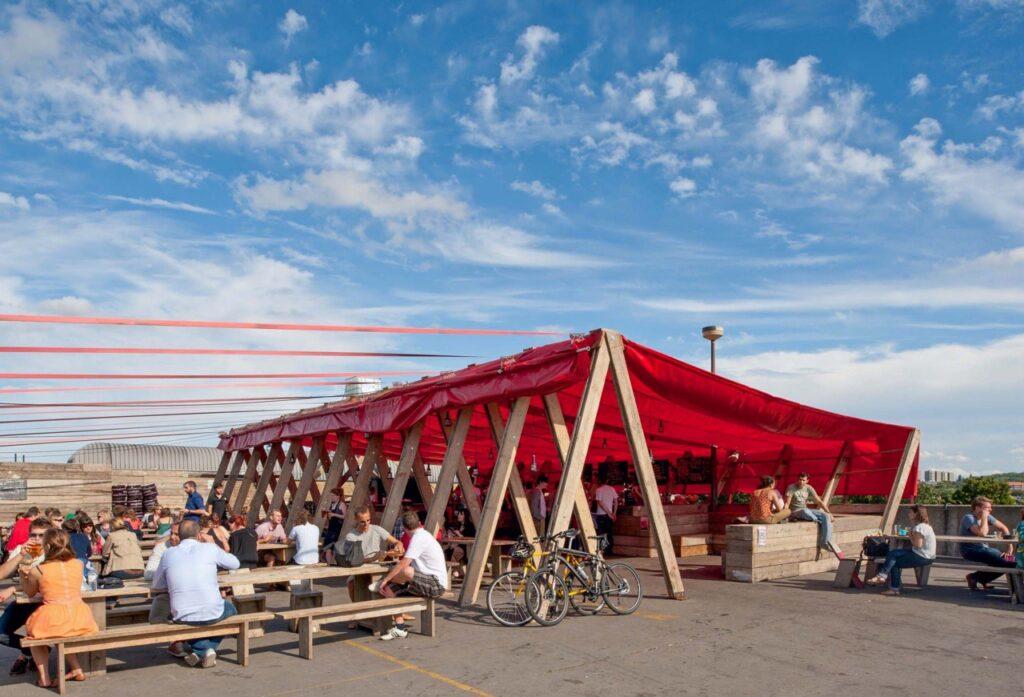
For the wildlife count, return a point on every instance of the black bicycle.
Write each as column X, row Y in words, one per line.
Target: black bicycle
column 586, row 582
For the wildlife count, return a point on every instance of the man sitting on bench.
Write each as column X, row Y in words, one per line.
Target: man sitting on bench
column 979, row 523
column 188, row 571
column 422, row 568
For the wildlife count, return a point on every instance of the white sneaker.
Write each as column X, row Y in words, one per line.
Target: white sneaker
column 374, row 587
column 193, row 659
column 394, row 633
column 209, row 659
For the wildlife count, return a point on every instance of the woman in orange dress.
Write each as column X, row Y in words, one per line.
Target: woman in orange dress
column 63, row 614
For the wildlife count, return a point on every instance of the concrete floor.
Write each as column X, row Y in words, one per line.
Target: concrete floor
column 791, row 637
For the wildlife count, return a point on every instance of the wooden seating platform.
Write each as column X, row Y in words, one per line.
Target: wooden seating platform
column 147, row 634
column 310, row 618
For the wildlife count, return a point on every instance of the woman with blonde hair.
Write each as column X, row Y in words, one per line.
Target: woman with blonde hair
column 122, row 556
column 63, row 614
column 921, row 553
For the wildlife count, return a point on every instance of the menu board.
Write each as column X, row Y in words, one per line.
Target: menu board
column 13, row 490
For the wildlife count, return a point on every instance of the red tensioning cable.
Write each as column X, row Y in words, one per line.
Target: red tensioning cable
column 191, row 376
column 219, row 352
column 55, row 319
column 177, row 386
column 144, row 402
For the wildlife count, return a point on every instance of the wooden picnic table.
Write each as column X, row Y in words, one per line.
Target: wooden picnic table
column 498, row 563
column 240, row 581
column 283, row 551
column 964, row 539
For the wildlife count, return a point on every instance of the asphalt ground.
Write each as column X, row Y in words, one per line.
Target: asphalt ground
column 790, row 637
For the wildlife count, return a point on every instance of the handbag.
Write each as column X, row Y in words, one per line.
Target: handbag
column 107, row 582
column 875, row 546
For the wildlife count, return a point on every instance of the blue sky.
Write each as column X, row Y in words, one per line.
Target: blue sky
column 839, row 184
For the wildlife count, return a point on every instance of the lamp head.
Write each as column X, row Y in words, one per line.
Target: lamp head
column 713, row 332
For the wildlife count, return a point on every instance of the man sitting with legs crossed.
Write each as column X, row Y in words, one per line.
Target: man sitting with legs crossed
column 422, row 569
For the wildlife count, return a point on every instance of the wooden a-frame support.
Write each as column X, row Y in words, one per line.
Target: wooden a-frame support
column 837, row 473
column 449, row 468
column 410, row 451
column 309, row 471
column 560, row 434
column 504, row 465
column 285, row 478
column 462, row 473
column 516, row 490
column 892, row 504
column 334, row 473
column 233, row 474
column 222, row 469
column 259, row 497
column 251, row 476
column 361, row 492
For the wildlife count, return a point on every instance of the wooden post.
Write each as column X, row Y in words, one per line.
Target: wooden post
column 308, row 474
column 252, row 469
column 465, row 480
column 410, row 451
column 560, row 434
column 837, row 473
column 260, row 494
column 892, row 504
column 520, row 503
column 334, row 472
column 325, row 464
column 785, row 460
column 500, row 475
column 419, row 473
column 361, row 492
column 449, row 466
column 644, row 468
column 572, row 472
column 236, row 468
column 287, row 472
column 222, row 469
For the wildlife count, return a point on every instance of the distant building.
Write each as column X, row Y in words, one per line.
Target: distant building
column 137, row 456
column 935, row 476
column 1016, row 487
column 363, row 386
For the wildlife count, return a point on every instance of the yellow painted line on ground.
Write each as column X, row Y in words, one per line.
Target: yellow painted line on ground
column 336, row 681
column 656, row 617
column 412, row 666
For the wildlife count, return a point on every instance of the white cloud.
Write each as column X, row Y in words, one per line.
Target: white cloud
column 11, row 201
column 533, row 43
column 644, row 101
column 683, row 187
column 345, row 189
column 291, row 24
column 989, row 188
column 552, row 209
column 503, row 245
column 162, row 203
column 772, row 229
column 535, row 188
column 918, row 84
column 885, row 16
column 177, row 17
column 998, row 103
column 404, row 147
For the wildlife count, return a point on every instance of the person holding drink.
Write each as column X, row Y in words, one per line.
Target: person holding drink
column 16, row 614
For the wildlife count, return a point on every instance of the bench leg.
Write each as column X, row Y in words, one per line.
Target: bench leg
column 922, row 573
column 62, row 683
column 427, row 619
column 870, row 569
column 306, row 637
column 243, row 645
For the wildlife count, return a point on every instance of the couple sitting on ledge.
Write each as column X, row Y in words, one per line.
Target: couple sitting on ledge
column 767, row 507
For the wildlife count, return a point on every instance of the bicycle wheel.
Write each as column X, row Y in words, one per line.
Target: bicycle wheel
column 506, row 599
column 547, row 598
column 584, row 600
column 620, row 586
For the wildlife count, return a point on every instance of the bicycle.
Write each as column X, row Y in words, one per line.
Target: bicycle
column 585, row 581
column 506, row 596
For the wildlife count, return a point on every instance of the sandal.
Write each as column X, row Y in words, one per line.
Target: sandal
column 20, row 666
column 75, row 675
column 47, row 685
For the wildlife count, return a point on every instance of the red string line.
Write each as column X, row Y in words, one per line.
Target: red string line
column 102, row 437
column 281, row 326
column 219, row 352
column 178, row 386
column 146, row 402
column 190, row 376
column 140, row 416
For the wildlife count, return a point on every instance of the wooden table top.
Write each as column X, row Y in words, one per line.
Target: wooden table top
column 968, row 539
column 472, row 540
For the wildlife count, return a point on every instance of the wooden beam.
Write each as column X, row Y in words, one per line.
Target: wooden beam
column 643, row 466
column 572, row 471
column 287, row 472
column 259, row 494
column 334, row 472
column 837, row 473
column 325, row 464
column 560, row 435
column 300, row 458
column 308, row 473
column 449, row 467
column 892, row 504
column 516, row 490
column 410, row 451
column 419, row 473
column 222, row 469
column 504, row 465
column 236, row 468
column 462, row 472
column 361, row 492
column 785, row 460
column 256, row 460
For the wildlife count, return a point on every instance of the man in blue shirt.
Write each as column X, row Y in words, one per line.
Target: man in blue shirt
column 979, row 523
column 188, row 571
column 194, row 504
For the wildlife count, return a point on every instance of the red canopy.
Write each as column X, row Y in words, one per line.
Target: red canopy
column 682, row 408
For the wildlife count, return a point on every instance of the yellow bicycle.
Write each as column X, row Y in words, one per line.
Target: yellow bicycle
column 506, row 597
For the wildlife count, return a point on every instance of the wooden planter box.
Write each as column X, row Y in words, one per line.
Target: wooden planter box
column 687, row 523
column 789, row 549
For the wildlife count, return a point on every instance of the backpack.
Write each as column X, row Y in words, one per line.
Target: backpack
column 875, row 546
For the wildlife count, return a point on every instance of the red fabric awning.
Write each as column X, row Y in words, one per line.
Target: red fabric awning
column 682, row 408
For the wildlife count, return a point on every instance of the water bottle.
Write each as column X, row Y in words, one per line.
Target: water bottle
column 91, row 576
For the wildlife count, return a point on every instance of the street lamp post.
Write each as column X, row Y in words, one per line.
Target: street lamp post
column 713, row 333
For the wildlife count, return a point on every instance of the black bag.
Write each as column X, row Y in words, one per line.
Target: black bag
column 351, row 554
column 875, row 546
column 107, row 582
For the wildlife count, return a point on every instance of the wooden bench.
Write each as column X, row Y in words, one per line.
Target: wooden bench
column 147, row 634
column 850, row 567
column 310, row 618
column 139, row 613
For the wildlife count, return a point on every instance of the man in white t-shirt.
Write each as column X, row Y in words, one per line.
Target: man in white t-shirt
column 606, row 505
column 422, row 569
column 306, row 537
